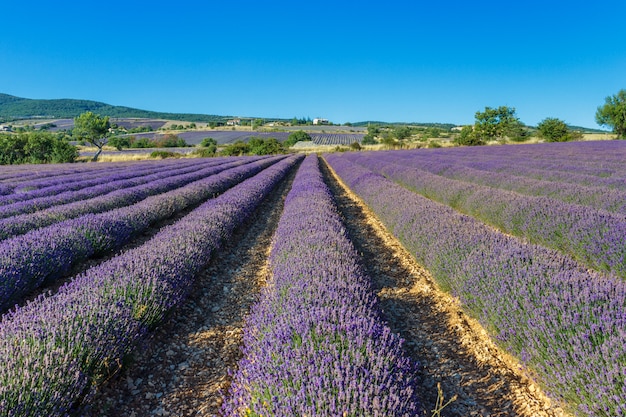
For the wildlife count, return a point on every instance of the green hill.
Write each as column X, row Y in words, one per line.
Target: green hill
column 12, row 108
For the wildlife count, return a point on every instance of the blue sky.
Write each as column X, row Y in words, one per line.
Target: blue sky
column 413, row 61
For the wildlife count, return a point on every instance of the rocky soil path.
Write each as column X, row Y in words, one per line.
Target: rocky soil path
column 182, row 369
column 453, row 351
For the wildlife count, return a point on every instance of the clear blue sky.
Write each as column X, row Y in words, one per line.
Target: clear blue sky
column 428, row 61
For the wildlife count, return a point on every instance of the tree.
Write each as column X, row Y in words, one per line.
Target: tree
column 119, row 142
column 498, row 123
column 402, row 132
column 468, row 137
column 554, row 130
column 613, row 113
column 295, row 137
column 237, row 148
column 92, row 128
column 265, row 146
column 206, row 142
column 36, row 147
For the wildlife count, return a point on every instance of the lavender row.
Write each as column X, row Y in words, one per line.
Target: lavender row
column 56, row 349
column 139, row 167
column 314, row 344
column 567, row 324
column 31, row 260
column 603, row 198
column 155, row 184
column 14, row 175
column 36, row 204
column 33, row 190
column 594, row 237
column 601, row 158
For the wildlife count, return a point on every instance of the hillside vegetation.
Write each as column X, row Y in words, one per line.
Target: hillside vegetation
column 12, row 107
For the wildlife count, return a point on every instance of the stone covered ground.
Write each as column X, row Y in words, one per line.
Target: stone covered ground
column 182, row 369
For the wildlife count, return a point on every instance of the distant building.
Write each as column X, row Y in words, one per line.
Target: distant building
column 5, row 128
column 233, row 122
column 320, row 121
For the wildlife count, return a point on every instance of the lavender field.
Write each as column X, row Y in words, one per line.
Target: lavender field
column 530, row 239
column 544, row 275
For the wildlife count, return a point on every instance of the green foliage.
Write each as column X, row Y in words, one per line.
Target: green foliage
column 38, row 147
column 373, row 130
column 368, row 140
column 239, row 148
column 468, row 137
column 302, row 121
column 389, row 140
column 500, row 123
column 257, row 123
column 355, row 146
column 93, row 129
column 120, row 142
column 206, row 152
column 206, row 142
column 402, row 132
column 613, row 113
column 265, row 146
column 295, row 137
column 12, row 107
column 554, row 130
column 164, row 154
column 141, row 143
column 170, row 141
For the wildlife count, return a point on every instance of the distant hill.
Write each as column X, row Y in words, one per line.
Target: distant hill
column 12, row 108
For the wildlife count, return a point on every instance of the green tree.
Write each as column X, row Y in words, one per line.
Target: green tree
column 498, row 123
column 295, row 137
column 63, row 152
column 257, row 123
column 613, row 113
column 206, row 142
column 554, row 130
column 35, row 147
column 265, row 146
column 402, row 132
column 368, row 140
column 92, row 128
column 468, row 137
column 119, row 142
column 238, row 148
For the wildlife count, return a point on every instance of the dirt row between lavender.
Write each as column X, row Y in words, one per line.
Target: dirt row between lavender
column 452, row 350
column 182, row 368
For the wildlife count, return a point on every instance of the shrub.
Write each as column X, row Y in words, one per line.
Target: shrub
column 206, row 152
column 207, row 142
column 295, row 137
column 164, row 154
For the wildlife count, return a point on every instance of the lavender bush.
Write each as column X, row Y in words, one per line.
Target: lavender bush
column 30, row 260
column 55, row 349
column 567, row 324
column 314, row 344
column 46, row 187
column 596, row 238
column 108, row 197
column 65, row 197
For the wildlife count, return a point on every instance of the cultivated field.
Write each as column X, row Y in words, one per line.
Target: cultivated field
column 363, row 283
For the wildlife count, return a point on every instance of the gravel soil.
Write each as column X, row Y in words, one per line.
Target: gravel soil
column 453, row 351
column 182, row 368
